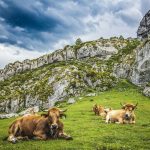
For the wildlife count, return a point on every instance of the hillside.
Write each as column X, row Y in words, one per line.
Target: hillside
column 79, row 69
column 89, row 131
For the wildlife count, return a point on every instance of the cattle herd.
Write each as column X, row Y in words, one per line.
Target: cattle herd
column 48, row 126
column 123, row 115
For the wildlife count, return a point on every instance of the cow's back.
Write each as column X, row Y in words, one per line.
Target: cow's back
column 116, row 113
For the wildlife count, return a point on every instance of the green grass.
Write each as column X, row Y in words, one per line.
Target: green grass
column 90, row 132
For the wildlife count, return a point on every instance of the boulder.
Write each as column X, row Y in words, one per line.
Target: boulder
column 31, row 110
column 71, row 101
column 28, row 111
column 91, row 94
column 6, row 116
column 146, row 91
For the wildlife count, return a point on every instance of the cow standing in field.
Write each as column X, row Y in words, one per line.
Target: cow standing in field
column 124, row 115
column 38, row 127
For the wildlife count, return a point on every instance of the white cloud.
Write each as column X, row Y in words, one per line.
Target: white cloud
column 9, row 54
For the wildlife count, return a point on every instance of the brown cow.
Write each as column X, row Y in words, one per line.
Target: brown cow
column 38, row 127
column 124, row 115
column 100, row 110
column 96, row 109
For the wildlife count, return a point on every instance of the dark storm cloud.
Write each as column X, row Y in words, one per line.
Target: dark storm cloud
column 30, row 20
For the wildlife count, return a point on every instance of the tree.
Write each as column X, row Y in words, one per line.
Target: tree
column 78, row 41
column 121, row 37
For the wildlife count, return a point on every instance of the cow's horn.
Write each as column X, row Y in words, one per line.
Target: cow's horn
column 136, row 104
column 63, row 110
column 121, row 104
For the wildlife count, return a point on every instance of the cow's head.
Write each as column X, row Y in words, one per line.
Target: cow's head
column 96, row 109
column 102, row 110
column 129, row 108
column 54, row 114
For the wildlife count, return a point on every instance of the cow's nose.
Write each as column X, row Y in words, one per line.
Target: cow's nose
column 54, row 126
column 126, row 115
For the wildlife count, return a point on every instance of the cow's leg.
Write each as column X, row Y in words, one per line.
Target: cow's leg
column 39, row 135
column 107, row 119
column 120, row 121
column 12, row 138
column 14, row 131
column 62, row 134
column 22, row 138
column 132, row 120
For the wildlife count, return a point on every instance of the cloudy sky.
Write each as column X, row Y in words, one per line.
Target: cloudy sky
column 30, row 28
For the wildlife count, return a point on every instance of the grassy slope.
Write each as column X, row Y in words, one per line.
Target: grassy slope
column 90, row 131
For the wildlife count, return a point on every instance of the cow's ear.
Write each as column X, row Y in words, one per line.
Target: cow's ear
column 62, row 115
column 123, row 106
column 135, row 106
column 44, row 115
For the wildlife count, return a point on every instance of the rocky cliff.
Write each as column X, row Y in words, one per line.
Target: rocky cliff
column 101, row 48
column 144, row 28
column 73, row 71
column 141, row 68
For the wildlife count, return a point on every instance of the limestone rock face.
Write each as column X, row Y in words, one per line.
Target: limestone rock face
column 97, row 50
column 42, row 61
column 32, row 101
column 144, row 28
column 121, row 70
column 26, row 64
column 141, row 70
column 68, row 53
column 12, row 106
column 59, row 94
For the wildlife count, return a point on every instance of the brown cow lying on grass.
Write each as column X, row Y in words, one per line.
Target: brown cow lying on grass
column 43, row 127
column 124, row 115
column 100, row 110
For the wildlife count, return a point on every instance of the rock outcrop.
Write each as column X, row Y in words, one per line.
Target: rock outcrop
column 29, row 111
column 146, row 91
column 144, row 28
column 141, row 70
column 70, row 52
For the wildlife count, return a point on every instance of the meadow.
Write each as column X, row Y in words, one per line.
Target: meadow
column 90, row 132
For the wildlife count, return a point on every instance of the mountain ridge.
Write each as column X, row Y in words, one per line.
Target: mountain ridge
column 69, row 52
